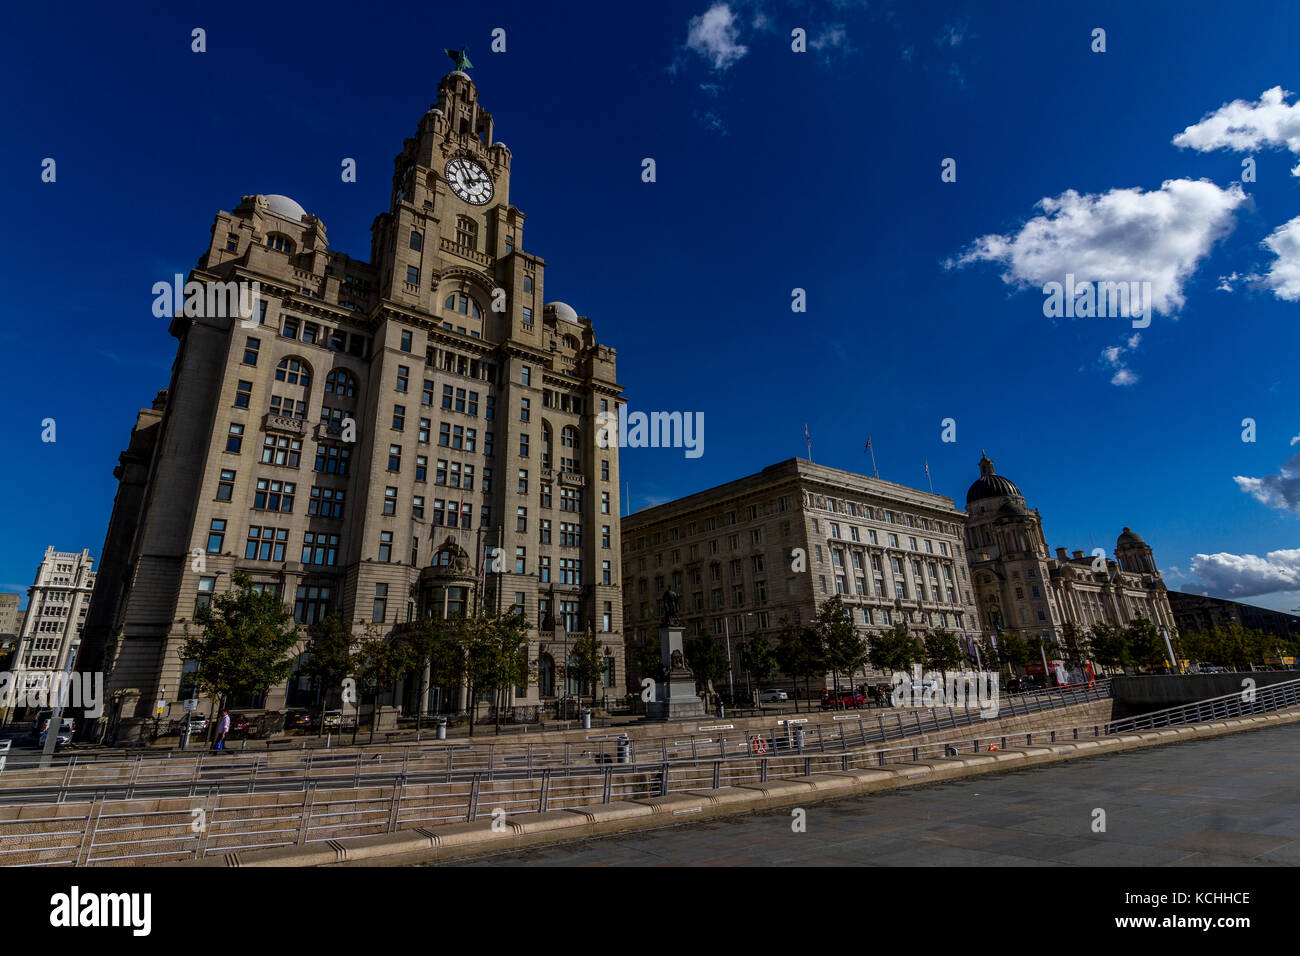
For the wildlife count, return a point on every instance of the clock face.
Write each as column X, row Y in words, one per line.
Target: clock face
column 469, row 181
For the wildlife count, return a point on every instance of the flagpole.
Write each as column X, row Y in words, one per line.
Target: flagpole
column 871, row 448
column 927, row 475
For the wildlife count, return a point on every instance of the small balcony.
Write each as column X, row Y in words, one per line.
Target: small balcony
column 281, row 423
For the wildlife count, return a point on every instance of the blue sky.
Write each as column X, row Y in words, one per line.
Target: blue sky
column 776, row 170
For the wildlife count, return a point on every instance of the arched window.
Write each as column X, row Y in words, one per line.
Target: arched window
column 293, row 371
column 341, row 382
column 569, row 437
column 570, row 343
column 279, row 242
column 462, row 303
column 417, row 241
column 466, row 232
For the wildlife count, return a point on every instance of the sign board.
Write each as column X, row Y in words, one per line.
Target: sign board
column 191, row 705
column 793, row 720
column 717, row 727
column 159, row 706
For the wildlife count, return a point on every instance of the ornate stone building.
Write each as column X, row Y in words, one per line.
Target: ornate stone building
column 1020, row 587
column 892, row 553
column 368, row 411
column 57, row 606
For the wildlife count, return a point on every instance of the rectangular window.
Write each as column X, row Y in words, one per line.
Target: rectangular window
column 326, row 503
column 403, row 377
column 235, row 437
column 332, row 459
column 251, row 351
column 525, row 375
column 412, row 275
column 390, row 501
column 274, row 495
column 243, row 393
column 399, row 417
column 281, row 450
column 319, row 548
column 394, row 457
column 406, row 341
column 216, row 535
column 385, row 546
column 225, row 485
column 380, row 610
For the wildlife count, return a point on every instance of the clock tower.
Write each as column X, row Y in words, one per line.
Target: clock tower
column 450, row 227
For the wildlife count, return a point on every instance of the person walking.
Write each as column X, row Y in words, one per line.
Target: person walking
column 223, row 728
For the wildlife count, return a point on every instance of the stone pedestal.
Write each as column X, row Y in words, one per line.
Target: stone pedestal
column 675, row 697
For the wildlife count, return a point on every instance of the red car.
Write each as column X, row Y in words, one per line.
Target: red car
column 845, row 700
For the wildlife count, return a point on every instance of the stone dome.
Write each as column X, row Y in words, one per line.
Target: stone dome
column 1129, row 536
column 284, row 206
column 990, row 484
column 563, row 311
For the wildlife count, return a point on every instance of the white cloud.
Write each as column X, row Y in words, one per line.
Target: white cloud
column 1113, row 357
column 1283, row 278
column 715, row 36
column 1281, row 491
column 1245, row 126
column 831, row 36
column 1123, row 235
column 1245, row 575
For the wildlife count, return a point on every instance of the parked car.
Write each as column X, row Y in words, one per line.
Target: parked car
column 772, row 696
column 1015, row 685
column 66, row 728
column 333, row 719
column 297, row 719
column 197, row 723
column 239, row 724
column 845, row 699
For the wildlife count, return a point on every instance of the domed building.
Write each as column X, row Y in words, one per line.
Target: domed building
column 406, row 432
column 1021, row 587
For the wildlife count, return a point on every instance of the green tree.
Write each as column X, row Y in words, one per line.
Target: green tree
column 707, row 659
column 896, row 649
column 587, row 663
column 1146, row 648
column 760, row 659
column 943, row 650
column 1014, row 649
column 990, row 658
column 650, row 659
column 1074, row 643
column 328, row 659
column 496, row 657
column 801, row 654
column 843, row 649
column 379, row 660
column 1109, row 647
column 243, row 643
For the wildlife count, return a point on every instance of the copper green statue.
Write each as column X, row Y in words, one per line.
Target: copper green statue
column 462, row 60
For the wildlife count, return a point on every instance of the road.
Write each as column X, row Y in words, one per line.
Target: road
column 1227, row 801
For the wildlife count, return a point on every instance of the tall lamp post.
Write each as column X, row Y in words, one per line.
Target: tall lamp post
column 726, row 628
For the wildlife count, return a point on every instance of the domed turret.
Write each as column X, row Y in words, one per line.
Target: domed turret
column 1134, row 554
column 990, row 484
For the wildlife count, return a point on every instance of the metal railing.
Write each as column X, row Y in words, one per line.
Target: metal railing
column 250, row 771
column 112, row 831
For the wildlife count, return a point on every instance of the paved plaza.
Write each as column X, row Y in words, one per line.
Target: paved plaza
column 1228, row 801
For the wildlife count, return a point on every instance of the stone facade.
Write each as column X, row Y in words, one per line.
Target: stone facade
column 363, row 412
column 1020, row 587
column 892, row 553
column 1200, row 612
column 57, row 604
column 9, row 615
